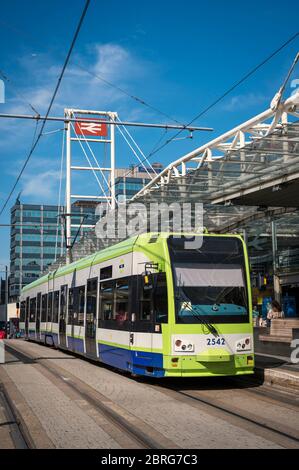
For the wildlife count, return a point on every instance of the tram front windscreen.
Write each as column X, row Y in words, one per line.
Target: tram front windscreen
column 210, row 281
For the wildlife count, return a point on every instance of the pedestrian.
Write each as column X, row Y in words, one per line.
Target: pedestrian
column 255, row 316
column 274, row 312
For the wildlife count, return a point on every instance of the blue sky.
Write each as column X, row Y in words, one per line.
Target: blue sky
column 178, row 57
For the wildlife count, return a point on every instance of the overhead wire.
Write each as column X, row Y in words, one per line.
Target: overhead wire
column 220, row 98
column 133, row 97
column 17, row 93
column 59, row 194
column 233, row 87
column 44, row 120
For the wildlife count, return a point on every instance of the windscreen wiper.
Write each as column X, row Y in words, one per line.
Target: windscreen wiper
column 197, row 314
column 225, row 292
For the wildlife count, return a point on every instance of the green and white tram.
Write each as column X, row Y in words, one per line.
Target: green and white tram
column 150, row 305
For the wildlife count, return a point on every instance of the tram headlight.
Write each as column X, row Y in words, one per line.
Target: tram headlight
column 183, row 346
column 243, row 344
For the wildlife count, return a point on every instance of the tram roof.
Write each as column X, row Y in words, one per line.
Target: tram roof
column 111, row 251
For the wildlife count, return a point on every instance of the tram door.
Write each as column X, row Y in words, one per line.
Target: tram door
column 27, row 317
column 91, row 318
column 62, row 316
column 38, row 307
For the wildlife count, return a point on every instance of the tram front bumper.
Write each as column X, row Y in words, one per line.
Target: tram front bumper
column 207, row 365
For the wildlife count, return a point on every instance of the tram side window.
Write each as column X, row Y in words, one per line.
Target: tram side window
column 22, row 311
column 81, row 303
column 70, row 320
column 154, row 302
column 107, row 300
column 106, row 273
column 55, row 306
column 121, row 313
column 38, row 302
column 145, row 304
column 44, row 308
column 160, row 299
column 77, row 309
column 32, row 310
column 27, row 309
column 91, row 300
column 50, row 301
column 63, row 297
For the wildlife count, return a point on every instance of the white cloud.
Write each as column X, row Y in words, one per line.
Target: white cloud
column 41, row 186
column 241, row 102
column 78, row 88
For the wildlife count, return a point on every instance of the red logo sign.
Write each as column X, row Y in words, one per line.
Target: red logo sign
column 91, row 128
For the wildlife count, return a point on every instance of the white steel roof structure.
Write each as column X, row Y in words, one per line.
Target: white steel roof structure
column 246, row 175
column 262, row 152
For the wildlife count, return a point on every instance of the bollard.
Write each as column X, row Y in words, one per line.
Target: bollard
column 2, row 351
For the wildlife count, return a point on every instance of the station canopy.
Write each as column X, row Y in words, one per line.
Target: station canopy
column 245, row 179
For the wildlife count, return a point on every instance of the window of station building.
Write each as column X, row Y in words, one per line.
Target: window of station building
column 49, row 309
column 50, row 214
column 29, row 238
column 63, row 299
column 106, row 273
column 27, row 213
column 91, row 299
column 44, row 308
column 106, row 300
column 49, row 249
column 32, row 309
column 22, row 311
column 29, row 249
column 55, row 306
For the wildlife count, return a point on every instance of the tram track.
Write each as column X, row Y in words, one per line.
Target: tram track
column 143, row 435
column 17, row 432
column 137, row 431
column 287, row 437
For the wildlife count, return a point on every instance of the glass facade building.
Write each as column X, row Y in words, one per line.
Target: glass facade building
column 37, row 239
column 129, row 182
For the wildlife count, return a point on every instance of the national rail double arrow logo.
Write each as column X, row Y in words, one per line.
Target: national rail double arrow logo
column 91, row 128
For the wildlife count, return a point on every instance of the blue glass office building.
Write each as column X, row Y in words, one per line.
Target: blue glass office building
column 37, row 240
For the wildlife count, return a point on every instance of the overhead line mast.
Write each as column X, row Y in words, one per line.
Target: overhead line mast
column 102, row 121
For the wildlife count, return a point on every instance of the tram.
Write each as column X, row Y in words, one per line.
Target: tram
column 151, row 305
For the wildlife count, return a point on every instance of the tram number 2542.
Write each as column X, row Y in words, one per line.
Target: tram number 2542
column 214, row 341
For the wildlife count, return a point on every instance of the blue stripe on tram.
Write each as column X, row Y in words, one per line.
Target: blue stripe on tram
column 75, row 344
column 137, row 362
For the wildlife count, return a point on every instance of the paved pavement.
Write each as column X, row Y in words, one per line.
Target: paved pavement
column 187, row 425
column 6, row 440
column 278, row 371
column 268, row 361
